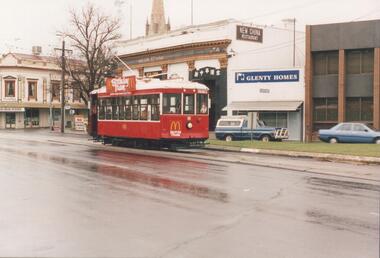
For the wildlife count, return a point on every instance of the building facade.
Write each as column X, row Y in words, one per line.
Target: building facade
column 30, row 94
column 216, row 54
column 342, row 75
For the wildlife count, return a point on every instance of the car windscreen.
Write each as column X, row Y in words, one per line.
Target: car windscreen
column 229, row 123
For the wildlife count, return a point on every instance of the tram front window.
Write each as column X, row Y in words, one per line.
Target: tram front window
column 202, row 104
column 189, row 104
column 172, row 104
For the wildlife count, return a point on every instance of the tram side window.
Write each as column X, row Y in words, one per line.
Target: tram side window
column 143, row 108
column 202, row 104
column 115, row 109
column 154, row 108
column 102, row 109
column 121, row 108
column 172, row 104
column 108, row 109
column 136, row 108
column 128, row 108
column 189, row 106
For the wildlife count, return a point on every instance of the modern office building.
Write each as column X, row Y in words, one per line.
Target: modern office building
column 342, row 75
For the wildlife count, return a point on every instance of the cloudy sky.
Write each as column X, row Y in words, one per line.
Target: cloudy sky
column 24, row 23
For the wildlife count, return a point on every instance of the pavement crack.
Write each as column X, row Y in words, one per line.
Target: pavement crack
column 213, row 231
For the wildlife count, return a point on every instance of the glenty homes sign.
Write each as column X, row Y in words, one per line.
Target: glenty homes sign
column 268, row 77
column 249, row 34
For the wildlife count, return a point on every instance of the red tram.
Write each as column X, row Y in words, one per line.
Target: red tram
column 164, row 113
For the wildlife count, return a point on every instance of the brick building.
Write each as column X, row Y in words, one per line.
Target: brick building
column 342, row 75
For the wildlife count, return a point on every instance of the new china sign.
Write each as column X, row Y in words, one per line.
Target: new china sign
column 268, row 76
column 249, row 34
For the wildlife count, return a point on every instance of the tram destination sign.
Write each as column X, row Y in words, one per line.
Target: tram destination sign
column 268, row 76
column 249, row 34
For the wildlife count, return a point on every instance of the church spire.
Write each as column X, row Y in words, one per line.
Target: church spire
column 157, row 24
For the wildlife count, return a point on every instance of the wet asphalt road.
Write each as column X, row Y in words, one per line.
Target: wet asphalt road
column 68, row 197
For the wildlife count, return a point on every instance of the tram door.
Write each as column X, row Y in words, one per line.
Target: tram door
column 10, row 120
column 93, row 121
column 213, row 116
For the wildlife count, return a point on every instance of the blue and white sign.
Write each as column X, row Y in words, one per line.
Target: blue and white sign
column 268, row 77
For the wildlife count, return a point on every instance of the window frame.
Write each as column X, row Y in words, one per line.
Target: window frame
column 13, row 82
column 34, row 84
column 200, row 106
column 166, row 110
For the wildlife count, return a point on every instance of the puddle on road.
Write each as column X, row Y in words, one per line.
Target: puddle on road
column 338, row 184
column 339, row 223
column 134, row 176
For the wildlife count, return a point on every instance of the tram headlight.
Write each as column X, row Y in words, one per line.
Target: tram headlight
column 189, row 125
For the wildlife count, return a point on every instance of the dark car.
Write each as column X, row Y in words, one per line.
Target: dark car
column 350, row 133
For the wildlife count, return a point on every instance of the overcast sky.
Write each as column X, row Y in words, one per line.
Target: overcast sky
column 24, row 23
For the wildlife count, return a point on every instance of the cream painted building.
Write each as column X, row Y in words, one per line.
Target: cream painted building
column 30, row 93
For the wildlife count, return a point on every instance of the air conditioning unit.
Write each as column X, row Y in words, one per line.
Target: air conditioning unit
column 36, row 50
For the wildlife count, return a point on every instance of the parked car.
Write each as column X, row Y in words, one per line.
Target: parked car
column 350, row 133
column 238, row 128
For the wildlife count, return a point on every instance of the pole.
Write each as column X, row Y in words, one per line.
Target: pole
column 130, row 20
column 294, row 42
column 63, row 88
column 192, row 12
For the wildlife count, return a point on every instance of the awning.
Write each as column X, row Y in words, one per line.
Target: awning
column 264, row 106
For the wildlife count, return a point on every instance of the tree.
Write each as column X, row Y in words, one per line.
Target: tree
column 92, row 35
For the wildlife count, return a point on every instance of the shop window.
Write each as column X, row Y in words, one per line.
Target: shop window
column 32, row 90
column 55, row 91
column 274, row 119
column 359, row 109
column 325, row 109
column 32, row 117
column 76, row 93
column 10, row 88
column 359, row 61
column 326, row 63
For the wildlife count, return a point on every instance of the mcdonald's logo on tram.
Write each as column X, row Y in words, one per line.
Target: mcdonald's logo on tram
column 175, row 128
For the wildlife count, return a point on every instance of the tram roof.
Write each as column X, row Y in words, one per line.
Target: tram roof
column 153, row 84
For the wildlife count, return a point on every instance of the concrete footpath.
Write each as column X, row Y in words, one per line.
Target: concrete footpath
column 297, row 154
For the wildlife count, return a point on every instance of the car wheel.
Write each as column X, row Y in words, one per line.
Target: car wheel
column 377, row 141
column 333, row 141
column 229, row 138
column 265, row 138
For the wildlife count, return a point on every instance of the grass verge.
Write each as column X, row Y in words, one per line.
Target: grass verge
column 363, row 150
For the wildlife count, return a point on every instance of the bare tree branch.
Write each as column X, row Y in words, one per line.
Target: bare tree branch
column 91, row 34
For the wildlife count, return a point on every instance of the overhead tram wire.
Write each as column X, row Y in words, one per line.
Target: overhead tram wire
column 284, row 10
column 272, row 47
column 367, row 14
